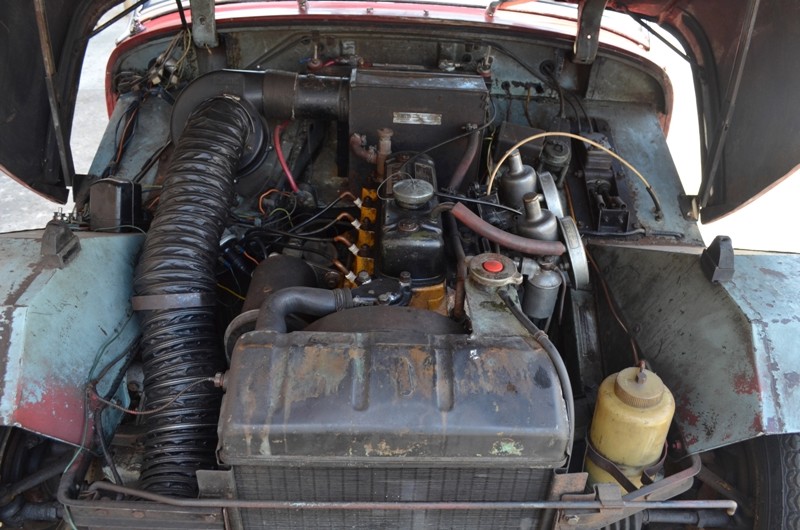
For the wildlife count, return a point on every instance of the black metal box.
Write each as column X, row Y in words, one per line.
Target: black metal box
column 422, row 108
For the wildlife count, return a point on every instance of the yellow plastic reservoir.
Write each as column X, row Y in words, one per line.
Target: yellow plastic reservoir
column 631, row 419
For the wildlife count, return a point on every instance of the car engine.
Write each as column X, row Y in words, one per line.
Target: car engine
column 353, row 285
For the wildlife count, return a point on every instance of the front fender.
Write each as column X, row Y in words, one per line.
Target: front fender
column 728, row 351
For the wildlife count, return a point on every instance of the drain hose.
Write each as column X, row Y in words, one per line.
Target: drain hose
column 175, row 283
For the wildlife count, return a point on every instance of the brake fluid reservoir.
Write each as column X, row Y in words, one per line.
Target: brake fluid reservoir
column 631, row 419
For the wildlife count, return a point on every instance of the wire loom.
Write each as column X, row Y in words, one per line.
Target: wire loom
column 180, row 345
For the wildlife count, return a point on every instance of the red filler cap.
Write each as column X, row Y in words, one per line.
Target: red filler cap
column 493, row 266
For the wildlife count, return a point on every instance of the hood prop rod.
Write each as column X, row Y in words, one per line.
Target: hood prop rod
column 721, row 132
column 64, row 152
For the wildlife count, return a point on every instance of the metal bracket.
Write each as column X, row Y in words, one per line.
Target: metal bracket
column 491, row 9
column 51, row 82
column 59, row 245
column 204, row 24
column 590, row 13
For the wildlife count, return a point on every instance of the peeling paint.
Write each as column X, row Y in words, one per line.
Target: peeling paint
column 746, row 383
column 507, row 447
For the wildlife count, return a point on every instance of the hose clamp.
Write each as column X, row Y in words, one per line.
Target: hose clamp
column 172, row 301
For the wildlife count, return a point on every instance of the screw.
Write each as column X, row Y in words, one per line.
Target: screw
column 572, row 519
column 383, row 298
column 405, row 276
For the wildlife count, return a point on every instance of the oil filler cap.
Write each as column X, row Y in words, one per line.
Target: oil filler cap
column 412, row 194
column 639, row 388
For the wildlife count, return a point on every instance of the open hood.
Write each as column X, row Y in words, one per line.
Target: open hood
column 745, row 53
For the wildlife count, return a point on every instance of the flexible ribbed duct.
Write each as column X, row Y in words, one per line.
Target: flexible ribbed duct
column 176, row 284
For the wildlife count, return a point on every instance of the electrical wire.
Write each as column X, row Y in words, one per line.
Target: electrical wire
column 607, row 294
column 251, row 258
column 156, row 410
column 304, row 249
column 282, row 159
column 231, row 291
column 478, row 201
column 267, row 194
column 485, row 125
column 341, row 197
column 275, row 231
column 555, row 357
column 341, row 217
column 594, row 144
column 88, row 391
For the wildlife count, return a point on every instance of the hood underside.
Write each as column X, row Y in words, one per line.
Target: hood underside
column 744, row 53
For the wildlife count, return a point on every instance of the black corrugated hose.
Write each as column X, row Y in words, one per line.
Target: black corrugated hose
column 180, row 345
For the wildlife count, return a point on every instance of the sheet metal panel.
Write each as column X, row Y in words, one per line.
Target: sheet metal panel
column 54, row 322
column 728, row 352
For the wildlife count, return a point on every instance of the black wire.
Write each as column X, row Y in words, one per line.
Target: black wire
column 478, row 201
column 592, row 233
column 115, row 19
column 183, row 15
column 151, row 161
column 309, row 250
column 275, row 231
column 486, row 124
column 328, row 225
column 578, row 100
column 98, row 430
column 660, row 37
column 555, row 357
column 316, row 215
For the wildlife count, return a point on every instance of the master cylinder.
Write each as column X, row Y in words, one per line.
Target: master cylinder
column 629, row 428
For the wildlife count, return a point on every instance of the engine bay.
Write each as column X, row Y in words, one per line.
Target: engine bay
column 364, row 279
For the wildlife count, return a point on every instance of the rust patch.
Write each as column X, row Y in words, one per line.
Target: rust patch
column 684, row 411
column 384, row 449
column 773, row 273
column 14, row 295
column 757, row 426
column 321, row 369
column 745, row 383
column 496, row 367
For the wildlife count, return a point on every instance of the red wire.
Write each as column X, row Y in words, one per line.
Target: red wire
column 279, row 151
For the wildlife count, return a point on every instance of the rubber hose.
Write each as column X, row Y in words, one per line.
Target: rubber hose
column 555, row 357
column 504, row 239
column 466, row 160
column 180, row 344
column 307, row 300
column 461, row 268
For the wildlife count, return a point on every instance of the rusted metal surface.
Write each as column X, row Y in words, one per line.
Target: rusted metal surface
column 619, row 507
column 528, row 505
column 370, row 397
column 728, row 352
column 53, row 324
